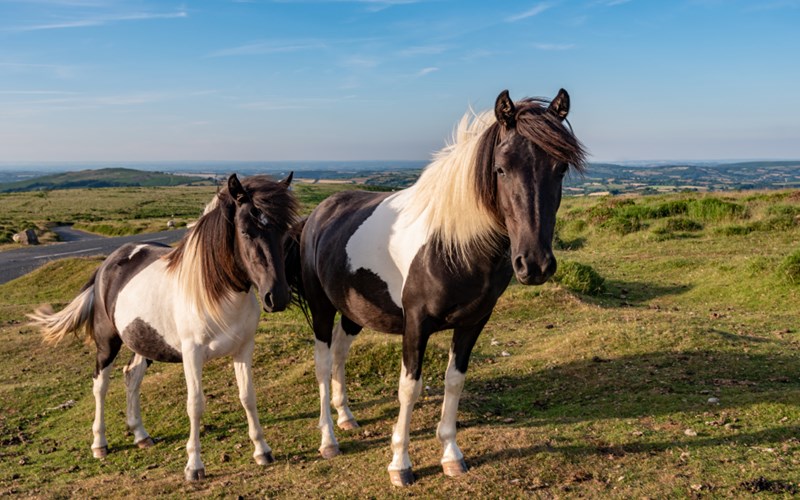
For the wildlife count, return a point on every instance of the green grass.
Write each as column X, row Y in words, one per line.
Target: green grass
column 567, row 395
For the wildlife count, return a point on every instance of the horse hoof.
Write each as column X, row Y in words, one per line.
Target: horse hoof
column 101, row 452
column 456, row 468
column 195, row 474
column 329, row 452
column 145, row 443
column 265, row 459
column 348, row 425
column 403, row 477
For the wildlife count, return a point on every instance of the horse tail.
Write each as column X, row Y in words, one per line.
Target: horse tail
column 75, row 317
column 294, row 267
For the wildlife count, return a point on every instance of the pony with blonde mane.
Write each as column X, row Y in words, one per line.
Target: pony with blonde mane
column 435, row 256
column 189, row 304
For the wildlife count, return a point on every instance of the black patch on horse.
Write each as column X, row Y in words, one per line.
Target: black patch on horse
column 145, row 340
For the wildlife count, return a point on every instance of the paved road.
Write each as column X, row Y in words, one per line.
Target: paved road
column 20, row 261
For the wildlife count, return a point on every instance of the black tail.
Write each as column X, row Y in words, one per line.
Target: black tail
column 293, row 265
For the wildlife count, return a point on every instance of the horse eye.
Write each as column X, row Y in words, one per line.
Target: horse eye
column 500, row 171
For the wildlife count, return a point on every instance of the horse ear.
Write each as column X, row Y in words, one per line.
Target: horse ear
column 504, row 109
column 237, row 190
column 560, row 105
column 288, row 180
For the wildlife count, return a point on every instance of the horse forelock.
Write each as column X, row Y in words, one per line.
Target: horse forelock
column 549, row 133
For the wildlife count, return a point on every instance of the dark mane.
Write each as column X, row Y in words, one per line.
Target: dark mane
column 213, row 237
column 544, row 129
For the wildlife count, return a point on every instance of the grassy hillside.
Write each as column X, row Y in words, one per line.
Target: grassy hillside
column 601, row 393
column 104, row 177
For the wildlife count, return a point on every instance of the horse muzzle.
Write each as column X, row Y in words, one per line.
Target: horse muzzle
column 534, row 271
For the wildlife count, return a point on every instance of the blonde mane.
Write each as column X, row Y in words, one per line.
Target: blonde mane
column 207, row 293
column 446, row 194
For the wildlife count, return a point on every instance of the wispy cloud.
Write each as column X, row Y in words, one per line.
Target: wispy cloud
column 37, row 92
column 97, row 21
column 774, row 5
column 269, row 47
column 612, row 3
column 60, row 71
column 361, row 62
column 274, row 104
column 554, row 46
column 422, row 50
column 534, row 11
column 427, row 71
column 39, row 102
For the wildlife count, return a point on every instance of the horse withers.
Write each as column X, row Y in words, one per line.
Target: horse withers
column 436, row 256
column 188, row 304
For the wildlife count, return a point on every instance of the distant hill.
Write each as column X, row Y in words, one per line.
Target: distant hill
column 637, row 178
column 105, row 177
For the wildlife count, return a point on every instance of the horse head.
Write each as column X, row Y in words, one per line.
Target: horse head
column 260, row 232
column 533, row 151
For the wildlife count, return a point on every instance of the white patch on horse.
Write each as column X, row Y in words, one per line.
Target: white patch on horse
column 387, row 242
column 140, row 299
column 136, row 250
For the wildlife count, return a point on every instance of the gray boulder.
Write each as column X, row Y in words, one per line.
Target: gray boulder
column 26, row 237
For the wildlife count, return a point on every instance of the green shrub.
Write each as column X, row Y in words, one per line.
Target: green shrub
column 781, row 210
column 789, row 269
column 778, row 222
column 734, row 230
column 624, row 225
column 714, row 209
column 682, row 224
column 579, row 277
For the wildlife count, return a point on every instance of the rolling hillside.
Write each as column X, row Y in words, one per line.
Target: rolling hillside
column 106, row 177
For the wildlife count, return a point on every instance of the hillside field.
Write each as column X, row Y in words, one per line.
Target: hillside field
column 663, row 362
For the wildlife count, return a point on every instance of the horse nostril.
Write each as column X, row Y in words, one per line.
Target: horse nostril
column 268, row 302
column 520, row 266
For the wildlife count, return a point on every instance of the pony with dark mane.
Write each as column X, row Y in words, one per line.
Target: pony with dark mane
column 436, row 256
column 188, row 304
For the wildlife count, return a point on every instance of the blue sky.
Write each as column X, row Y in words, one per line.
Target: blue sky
column 127, row 80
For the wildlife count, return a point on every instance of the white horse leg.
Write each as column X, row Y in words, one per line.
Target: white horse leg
column 453, row 460
column 99, row 389
column 408, row 393
column 195, row 404
column 340, row 347
column 134, row 373
column 329, row 447
column 242, row 365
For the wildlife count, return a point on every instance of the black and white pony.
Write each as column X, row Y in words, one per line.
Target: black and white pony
column 436, row 256
column 188, row 304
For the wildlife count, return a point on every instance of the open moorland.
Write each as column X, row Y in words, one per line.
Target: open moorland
column 663, row 361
